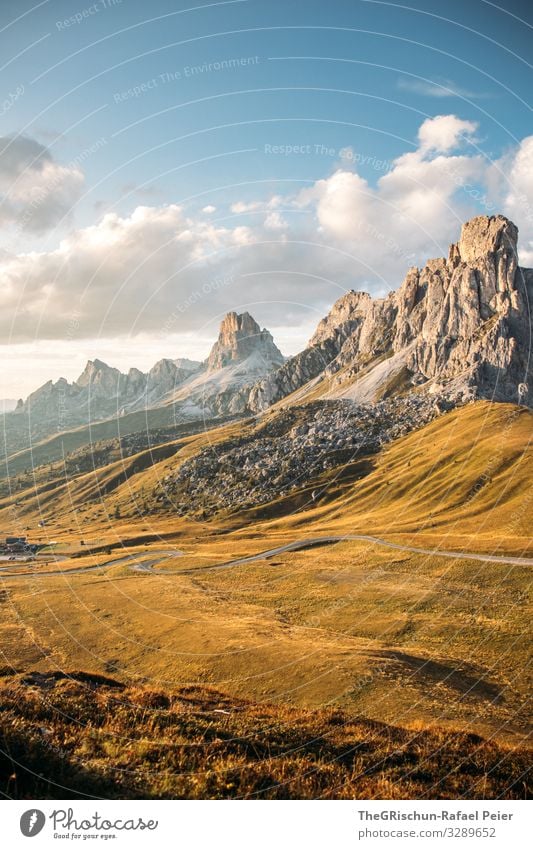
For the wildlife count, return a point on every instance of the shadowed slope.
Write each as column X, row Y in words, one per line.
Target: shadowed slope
column 79, row 735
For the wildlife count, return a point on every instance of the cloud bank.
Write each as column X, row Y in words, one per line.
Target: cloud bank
column 162, row 270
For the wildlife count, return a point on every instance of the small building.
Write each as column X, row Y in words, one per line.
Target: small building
column 16, row 540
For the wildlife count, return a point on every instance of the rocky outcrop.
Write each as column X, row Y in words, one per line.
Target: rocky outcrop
column 101, row 380
column 287, row 452
column 240, row 337
column 461, row 326
column 472, row 324
column 343, row 322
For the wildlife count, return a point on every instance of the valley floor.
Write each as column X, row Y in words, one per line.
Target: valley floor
column 349, row 668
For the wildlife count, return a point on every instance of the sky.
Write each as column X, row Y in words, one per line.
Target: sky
column 163, row 163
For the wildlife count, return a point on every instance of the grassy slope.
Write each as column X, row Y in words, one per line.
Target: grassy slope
column 55, row 447
column 74, row 736
column 101, row 489
column 464, row 481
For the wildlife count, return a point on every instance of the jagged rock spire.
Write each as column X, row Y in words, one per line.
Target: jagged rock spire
column 240, row 337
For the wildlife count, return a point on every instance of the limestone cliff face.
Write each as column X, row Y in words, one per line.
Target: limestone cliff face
column 240, row 337
column 342, row 323
column 343, row 320
column 473, row 321
column 460, row 325
column 100, row 379
column 242, row 355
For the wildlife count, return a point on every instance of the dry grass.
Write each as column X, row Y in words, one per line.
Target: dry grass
column 463, row 482
column 394, row 636
column 406, row 639
column 69, row 736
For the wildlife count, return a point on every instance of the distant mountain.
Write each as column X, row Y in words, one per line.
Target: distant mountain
column 242, row 355
column 455, row 330
column 459, row 328
column 186, row 365
column 241, row 339
column 102, row 391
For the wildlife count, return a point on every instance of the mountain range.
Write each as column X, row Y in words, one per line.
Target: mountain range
column 456, row 330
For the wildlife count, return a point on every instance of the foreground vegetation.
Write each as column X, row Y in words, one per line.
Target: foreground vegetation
column 79, row 735
column 425, row 658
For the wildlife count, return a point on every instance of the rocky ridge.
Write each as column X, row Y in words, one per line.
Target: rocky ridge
column 102, row 391
column 456, row 330
column 461, row 326
column 242, row 355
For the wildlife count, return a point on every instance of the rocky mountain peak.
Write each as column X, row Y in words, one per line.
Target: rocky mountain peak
column 239, row 338
column 485, row 235
column 96, row 371
column 186, row 364
column 349, row 308
column 460, row 327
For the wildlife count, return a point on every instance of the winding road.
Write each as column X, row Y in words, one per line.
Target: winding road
column 159, row 556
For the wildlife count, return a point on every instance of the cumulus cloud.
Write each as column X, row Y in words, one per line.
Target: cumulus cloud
column 121, row 274
column 444, row 133
column 240, row 207
column 275, row 221
column 518, row 194
column 160, row 271
column 36, row 192
column 415, row 208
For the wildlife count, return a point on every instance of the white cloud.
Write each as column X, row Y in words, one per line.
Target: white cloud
column 240, row 206
column 275, row 221
column 209, row 209
column 161, row 272
column 437, row 88
column 35, row 191
column 518, row 195
column 444, row 133
column 415, row 208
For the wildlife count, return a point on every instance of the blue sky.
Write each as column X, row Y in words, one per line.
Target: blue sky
column 266, row 139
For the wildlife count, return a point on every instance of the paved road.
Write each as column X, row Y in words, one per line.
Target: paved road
column 133, row 560
column 329, row 540
column 159, row 556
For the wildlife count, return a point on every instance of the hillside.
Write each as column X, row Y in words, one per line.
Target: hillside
column 456, row 330
column 94, row 737
column 462, row 479
column 398, row 636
